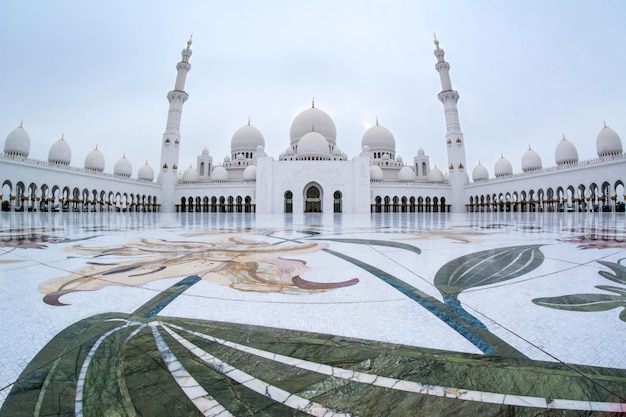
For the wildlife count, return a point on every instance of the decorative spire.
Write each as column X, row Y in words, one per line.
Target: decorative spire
column 62, row 136
column 313, row 103
column 21, row 121
column 436, row 41
column 189, row 42
column 605, row 123
column 563, row 137
column 376, row 120
column 248, row 120
column 313, row 127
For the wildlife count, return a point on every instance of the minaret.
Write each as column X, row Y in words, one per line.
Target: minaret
column 457, row 172
column 171, row 138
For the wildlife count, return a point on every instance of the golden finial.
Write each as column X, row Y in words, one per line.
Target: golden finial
column 605, row 123
column 248, row 120
column 436, row 41
column 21, row 121
column 529, row 146
column 63, row 136
column 313, row 127
column 313, row 103
column 564, row 137
column 96, row 146
column 376, row 120
column 189, row 42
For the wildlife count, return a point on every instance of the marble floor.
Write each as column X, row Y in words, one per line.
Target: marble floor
column 396, row 314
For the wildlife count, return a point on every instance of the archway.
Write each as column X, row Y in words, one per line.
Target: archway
column 312, row 199
column 337, row 202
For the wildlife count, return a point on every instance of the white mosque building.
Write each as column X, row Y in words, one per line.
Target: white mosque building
column 313, row 174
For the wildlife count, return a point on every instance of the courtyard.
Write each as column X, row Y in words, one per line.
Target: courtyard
column 396, row 314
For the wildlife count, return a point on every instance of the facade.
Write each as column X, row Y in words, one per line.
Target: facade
column 312, row 174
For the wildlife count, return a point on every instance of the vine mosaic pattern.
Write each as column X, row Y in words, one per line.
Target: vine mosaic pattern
column 145, row 362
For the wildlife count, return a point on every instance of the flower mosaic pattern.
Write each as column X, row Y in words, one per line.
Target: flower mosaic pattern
column 242, row 264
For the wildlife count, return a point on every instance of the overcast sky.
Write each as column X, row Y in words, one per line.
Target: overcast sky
column 99, row 72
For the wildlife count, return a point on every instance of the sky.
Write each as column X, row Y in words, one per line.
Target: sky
column 527, row 73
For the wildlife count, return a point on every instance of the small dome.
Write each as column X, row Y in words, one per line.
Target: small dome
column 219, row 174
column 406, row 173
column 205, row 151
column 227, row 158
column 316, row 118
column 399, row 159
column 376, row 174
column 247, row 137
column 435, row 175
column 95, row 160
column 531, row 160
column 608, row 142
column 313, row 143
column 386, row 157
column 17, row 142
column 123, row 167
column 240, row 156
column 249, row 174
column 503, row 167
column 379, row 137
column 145, row 173
column 565, row 152
column 480, row 172
column 337, row 151
column 60, row 152
column 190, row 175
column 420, row 152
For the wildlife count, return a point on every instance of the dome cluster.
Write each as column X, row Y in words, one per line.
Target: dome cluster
column 17, row 145
column 608, row 145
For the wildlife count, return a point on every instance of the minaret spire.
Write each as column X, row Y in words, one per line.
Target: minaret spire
column 171, row 137
column 454, row 137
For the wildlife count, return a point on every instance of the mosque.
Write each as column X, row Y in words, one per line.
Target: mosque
column 313, row 174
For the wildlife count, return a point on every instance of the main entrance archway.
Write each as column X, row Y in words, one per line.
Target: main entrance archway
column 313, row 199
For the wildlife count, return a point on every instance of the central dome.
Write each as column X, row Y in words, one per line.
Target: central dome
column 313, row 118
column 313, row 144
column 247, row 137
